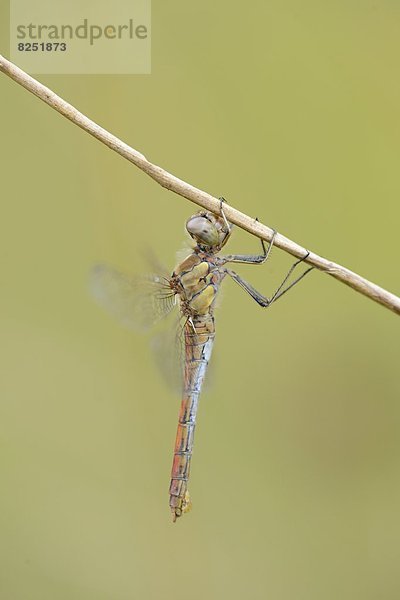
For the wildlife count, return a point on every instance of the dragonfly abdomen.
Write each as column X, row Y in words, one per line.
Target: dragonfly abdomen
column 199, row 339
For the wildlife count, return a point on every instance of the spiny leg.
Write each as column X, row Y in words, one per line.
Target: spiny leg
column 259, row 259
column 253, row 259
column 262, row 300
column 279, row 292
column 228, row 225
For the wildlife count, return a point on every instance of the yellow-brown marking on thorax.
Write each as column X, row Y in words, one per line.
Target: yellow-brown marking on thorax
column 198, row 291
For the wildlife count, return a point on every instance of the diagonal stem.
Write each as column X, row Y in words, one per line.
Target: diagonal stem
column 174, row 184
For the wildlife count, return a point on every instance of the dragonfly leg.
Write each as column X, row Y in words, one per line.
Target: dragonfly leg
column 228, row 225
column 252, row 259
column 262, row 300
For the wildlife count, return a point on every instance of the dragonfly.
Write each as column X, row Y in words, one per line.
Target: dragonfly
column 193, row 288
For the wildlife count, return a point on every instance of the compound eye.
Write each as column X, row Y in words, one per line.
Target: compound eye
column 202, row 230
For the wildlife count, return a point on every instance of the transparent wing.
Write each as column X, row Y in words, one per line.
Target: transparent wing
column 167, row 345
column 136, row 302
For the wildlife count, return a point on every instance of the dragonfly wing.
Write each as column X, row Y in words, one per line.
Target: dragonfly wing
column 136, row 302
column 167, row 345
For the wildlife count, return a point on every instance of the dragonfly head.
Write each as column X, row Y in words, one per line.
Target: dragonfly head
column 208, row 229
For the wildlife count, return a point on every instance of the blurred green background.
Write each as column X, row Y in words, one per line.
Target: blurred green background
column 291, row 111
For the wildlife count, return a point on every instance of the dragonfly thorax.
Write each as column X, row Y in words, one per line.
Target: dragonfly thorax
column 196, row 281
